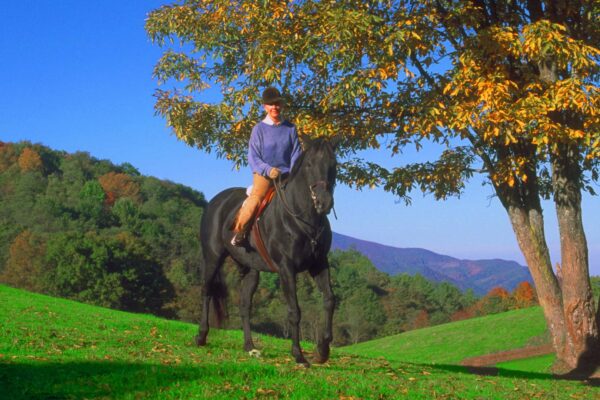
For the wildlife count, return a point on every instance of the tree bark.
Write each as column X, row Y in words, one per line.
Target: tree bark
column 582, row 344
column 522, row 203
column 528, row 225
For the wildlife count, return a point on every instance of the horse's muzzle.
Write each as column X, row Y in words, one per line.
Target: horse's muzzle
column 321, row 197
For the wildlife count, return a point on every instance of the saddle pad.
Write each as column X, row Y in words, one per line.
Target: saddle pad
column 263, row 205
column 260, row 245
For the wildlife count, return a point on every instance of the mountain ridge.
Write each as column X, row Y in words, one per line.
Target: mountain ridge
column 478, row 275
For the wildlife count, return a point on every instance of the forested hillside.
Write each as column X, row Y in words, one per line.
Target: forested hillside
column 85, row 229
column 479, row 275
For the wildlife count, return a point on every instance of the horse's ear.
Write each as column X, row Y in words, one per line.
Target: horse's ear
column 306, row 141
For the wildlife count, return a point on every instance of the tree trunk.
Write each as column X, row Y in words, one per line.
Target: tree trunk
column 528, row 226
column 522, row 203
column 582, row 344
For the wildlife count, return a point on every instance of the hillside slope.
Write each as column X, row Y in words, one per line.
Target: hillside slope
column 54, row 348
column 453, row 342
column 479, row 275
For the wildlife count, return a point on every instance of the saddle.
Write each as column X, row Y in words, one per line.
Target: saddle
column 265, row 202
column 260, row 245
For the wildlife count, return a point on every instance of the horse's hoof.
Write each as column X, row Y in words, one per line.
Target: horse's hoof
column 321, row 355
column 318, row 359
column 254, row 353
column 301, row 362
column 200, row 341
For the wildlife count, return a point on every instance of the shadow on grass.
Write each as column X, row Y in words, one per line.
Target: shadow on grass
column 507, row 373
column 76, row 380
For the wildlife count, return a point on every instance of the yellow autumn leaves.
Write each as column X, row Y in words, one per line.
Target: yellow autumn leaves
column 371, row 70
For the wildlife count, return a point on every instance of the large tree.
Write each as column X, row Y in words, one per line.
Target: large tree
column 509, row 88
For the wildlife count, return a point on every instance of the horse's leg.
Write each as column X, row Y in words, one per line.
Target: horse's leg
column 203, row 328
column 212, row 264
column 288, row 284
column 248, row 287
column 322, row 279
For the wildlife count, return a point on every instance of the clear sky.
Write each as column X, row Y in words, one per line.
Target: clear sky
column 77, row 76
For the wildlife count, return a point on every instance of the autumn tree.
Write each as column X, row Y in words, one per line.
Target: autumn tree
column 8, row 156
column 495, row 301
column 25, row 265
column 524, row 295
column 119, row 185
column 30, row 160
column 506, row 88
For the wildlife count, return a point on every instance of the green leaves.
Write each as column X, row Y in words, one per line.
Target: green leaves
column 378, row 72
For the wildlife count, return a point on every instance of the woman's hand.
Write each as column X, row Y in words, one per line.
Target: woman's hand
column 274, row 173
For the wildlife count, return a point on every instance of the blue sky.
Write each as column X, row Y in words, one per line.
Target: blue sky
column 77, row 76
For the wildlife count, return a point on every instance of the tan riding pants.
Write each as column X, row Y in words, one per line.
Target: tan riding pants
column 260, row 186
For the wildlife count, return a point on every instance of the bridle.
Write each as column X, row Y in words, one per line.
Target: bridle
column 313, row 195
column 298, row 216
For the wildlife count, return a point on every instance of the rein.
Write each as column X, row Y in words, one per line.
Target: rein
column 297, row 216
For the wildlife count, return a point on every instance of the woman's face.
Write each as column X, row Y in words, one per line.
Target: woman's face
column 274, row 111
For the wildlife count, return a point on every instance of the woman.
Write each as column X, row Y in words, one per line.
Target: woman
column 273, row 149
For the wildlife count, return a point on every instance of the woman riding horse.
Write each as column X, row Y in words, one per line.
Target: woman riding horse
column 296, row 235
column 273, row 149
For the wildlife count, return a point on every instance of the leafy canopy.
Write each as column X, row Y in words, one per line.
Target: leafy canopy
column 502, row 85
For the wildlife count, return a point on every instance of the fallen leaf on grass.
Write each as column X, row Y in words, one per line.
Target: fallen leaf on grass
column 265, row 392
column 159, row 349
column 171, row 362
column 154, row 332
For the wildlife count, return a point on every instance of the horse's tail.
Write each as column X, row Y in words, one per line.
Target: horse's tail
column 217, row 291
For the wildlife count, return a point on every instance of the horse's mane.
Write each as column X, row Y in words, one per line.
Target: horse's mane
column 313, row 145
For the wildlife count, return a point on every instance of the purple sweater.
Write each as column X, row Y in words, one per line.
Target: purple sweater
column 273, row 146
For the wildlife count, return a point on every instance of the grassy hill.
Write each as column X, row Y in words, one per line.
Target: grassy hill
column 451, row 343
column 56, row 349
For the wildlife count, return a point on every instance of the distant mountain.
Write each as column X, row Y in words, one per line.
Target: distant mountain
column 479, row 275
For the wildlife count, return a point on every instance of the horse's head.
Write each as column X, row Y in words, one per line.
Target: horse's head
column 318, row 168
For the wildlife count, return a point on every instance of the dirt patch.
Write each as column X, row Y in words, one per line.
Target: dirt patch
column 516, row 354
column 486, row 365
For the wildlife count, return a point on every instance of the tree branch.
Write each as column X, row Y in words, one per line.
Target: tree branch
column 535, row 10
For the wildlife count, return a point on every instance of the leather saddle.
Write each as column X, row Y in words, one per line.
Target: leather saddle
column 260, row 245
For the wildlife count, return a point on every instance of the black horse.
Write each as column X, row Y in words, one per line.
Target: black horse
column 296, row 235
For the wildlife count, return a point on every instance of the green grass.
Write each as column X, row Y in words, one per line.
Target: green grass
column 451, row 343
column 57, row 349
column 533, row 364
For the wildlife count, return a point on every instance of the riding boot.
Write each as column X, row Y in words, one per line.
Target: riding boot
column 260, row 186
